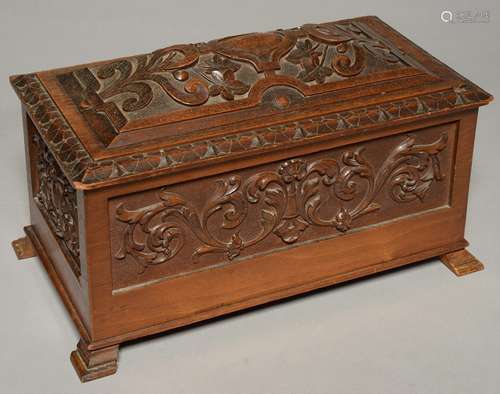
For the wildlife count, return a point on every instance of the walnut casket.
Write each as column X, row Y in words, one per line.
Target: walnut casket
column 197, row 180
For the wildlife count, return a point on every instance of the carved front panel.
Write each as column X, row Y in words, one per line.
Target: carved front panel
column 56, row 199
column 223, row 219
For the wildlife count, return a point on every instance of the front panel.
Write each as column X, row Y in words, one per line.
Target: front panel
column 184, row 228
column 166, row 253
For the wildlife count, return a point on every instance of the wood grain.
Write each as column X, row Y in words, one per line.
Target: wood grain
column 202, row 179
column 23, row 248
column 462, row 262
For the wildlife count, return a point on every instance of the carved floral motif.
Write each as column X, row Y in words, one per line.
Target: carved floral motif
column 191, row 74
column 56, row 199
column 136, row 78
column 311, row 60
column 289, row 199
column 220, row 73
column 347, row 45
column 210, row 78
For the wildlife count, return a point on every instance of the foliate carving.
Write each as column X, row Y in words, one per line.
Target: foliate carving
column 292, row 132
column 220, row 73
column 165, row 68
column 337, row 48
column 51, row 124
column 134, row 77
column 312, row 60
column 262, row 50
column 76, row 163
column 290, row 199
column 56, row 199
column 190, row 74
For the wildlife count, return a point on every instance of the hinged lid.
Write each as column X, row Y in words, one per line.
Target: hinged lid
column 184, row 105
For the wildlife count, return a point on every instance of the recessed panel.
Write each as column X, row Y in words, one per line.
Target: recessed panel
column 224, row 219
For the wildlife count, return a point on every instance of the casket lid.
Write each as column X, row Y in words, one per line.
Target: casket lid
column 185, row 105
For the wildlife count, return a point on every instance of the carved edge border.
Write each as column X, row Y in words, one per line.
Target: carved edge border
column 291, row 132
column 78, row 165
column 70, row 154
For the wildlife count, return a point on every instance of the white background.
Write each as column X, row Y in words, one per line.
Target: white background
column 415, row 330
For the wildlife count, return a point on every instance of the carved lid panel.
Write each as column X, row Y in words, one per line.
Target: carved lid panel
column 188, row 81
column 198, row 101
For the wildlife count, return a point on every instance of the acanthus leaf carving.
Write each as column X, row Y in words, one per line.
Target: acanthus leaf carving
column 220, row 74
column 56, row 199
column 347, row 45
column 191, row 74
column 288, row 200
column 135, row 76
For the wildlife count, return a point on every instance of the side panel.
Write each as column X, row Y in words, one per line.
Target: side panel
column 54, row 217
column 173, row 250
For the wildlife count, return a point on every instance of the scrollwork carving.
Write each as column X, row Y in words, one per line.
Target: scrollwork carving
column 289, row 200
column 257, row 61
column 220, row 74
column 345, row 46
column 170, row 70
column 311, row 60
column 56, row 199
column 191, row 74
column 135, row 79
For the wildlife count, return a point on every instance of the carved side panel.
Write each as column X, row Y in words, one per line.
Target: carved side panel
column 225, row 218
column 56, row 199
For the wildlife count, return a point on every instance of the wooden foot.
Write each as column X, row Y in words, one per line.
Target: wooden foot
column 94, row 364
column 24, row 248
column 461, row 262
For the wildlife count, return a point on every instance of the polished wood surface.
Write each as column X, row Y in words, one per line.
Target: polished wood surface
column 335, row 78
column 23, row 248
column 94, row 364
column 248, row 169
column 462, row 262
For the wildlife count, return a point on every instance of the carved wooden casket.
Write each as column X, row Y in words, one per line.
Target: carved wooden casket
column 197, row 180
